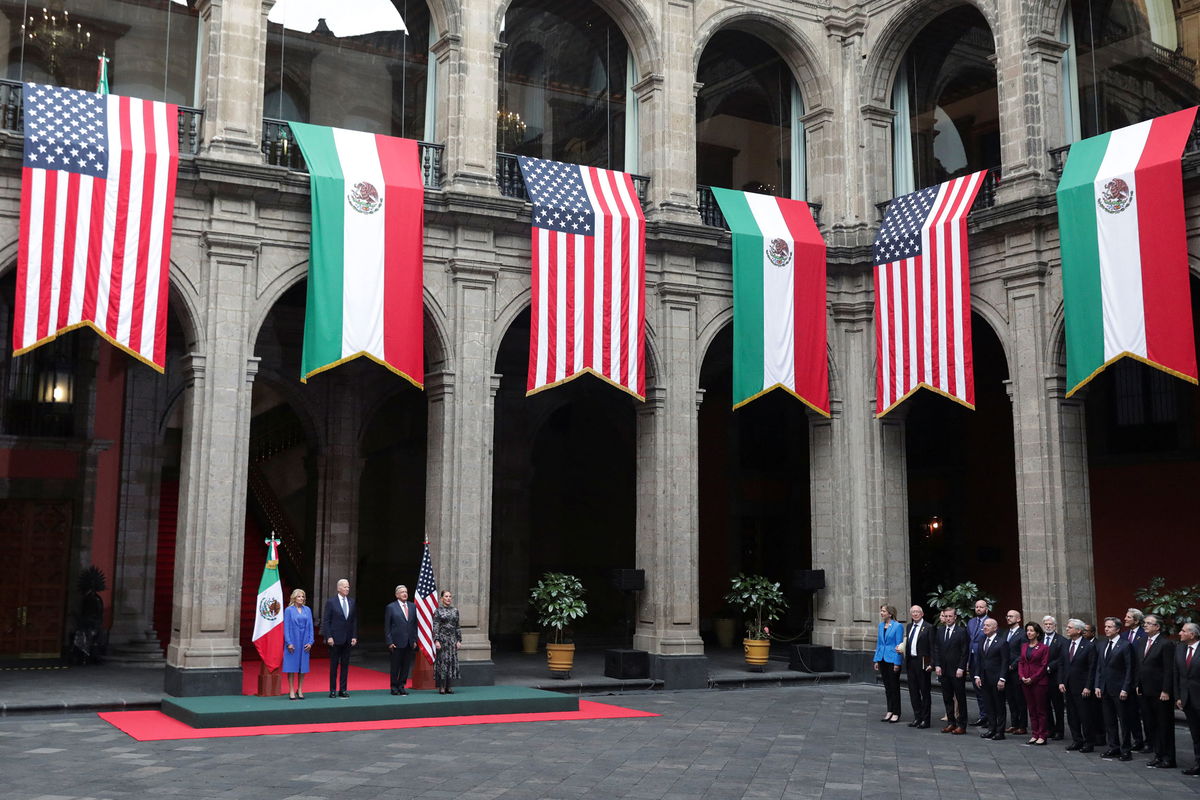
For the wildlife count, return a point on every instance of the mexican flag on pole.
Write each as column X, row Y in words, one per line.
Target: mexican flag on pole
column 1124, row 250
column 778, row 299
column 268, row 612
column 366, row 263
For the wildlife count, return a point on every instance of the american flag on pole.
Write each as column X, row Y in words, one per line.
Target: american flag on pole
column 923, row 295
column 97, row 199
column 589, row 267
column 426, row 601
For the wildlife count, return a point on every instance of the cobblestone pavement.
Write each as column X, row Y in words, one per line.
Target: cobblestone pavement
column 803, row 742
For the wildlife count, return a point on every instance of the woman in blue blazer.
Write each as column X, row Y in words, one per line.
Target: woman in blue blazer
column 888, row 648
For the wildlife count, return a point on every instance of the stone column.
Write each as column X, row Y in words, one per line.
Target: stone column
column 233, row 54
column 458, row 517
column 204, row 656
column 668, row 529
column 666, row 93
column 339, row 471
column 859, row 496
column 471, row 64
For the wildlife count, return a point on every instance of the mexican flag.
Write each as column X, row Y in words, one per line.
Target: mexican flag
column 268, row 612
column 1124, row 250
column 778, row 299
column 366, row 263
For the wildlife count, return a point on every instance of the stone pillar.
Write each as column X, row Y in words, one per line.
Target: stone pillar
column 204, row 656
column 233, row 52
column 666, row 93
column 859, row 497
column 339, row 471
column 668, row 529
column 471, row 65
column 458, row 517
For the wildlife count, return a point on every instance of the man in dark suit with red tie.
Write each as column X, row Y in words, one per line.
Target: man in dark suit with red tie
column 339, row 626
column 1154, row 666
column 951, row 648
column 1075, row 670
column 400, row 636
column 991, row 676
column 1114, row 686
column 918, row 657
column 1187, row 686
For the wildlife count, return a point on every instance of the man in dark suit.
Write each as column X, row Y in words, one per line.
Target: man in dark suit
column 975, row 631
column 1055, row 706
column 951, row 648
column 1018, row 716
column 1154, row 663
column 1187, row 686
column 918, row 656
column 991, row 677
column 1075, row 670
column 339, row 626
column 400, row 636
column 1135, row 637
column 1113, row 684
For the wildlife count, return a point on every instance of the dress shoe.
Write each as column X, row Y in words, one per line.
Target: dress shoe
column 1193, row 771
column 999, row 737
column 395, row 691
column 333, row 694
column 1125, row 757
column 979, row 723
column 1020, row 731
column 1153, row 764
column 1010, row 729
column 923, row 725
column 1039, row 743
column 987, row 735
column 1110, row 754
column 1087, row 748
column 895, row 718
column 959, row 731
column 913, row 724
column 404, row 691
column 343, row 694
column 948, row 729
column 1073, row 747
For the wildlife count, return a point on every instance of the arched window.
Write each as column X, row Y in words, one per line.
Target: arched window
column 1134, row 59
column 374, row 82
column 563, row 85
column 947, row 112
column 748, row 133
column 151, row 45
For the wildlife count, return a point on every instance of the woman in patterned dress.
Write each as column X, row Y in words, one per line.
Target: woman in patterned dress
column 297, row 642
column 446, row 637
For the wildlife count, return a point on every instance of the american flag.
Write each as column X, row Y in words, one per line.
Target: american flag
column 589, row 266
column 923, row 295
column 97, row 199
column 426, row 602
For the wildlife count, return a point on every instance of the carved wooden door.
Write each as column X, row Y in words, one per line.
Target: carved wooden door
column 35, row 538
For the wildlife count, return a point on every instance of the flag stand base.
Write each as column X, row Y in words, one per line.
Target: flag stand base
column 268, row 682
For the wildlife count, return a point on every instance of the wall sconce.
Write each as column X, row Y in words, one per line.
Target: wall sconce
column 55, row 384
column 933, row 526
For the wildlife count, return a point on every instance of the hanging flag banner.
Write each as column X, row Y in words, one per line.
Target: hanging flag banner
column 923, row 295
column 97, row 201
column 589, row 272
column 1124, row 250
column 779, row 332
column 366, row 265
column 268, row 611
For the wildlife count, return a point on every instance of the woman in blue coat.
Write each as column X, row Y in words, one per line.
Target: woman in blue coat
column 888, row 648
column 297, row 642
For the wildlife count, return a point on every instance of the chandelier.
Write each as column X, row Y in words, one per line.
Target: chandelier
column 510, row 122
column 57, row 34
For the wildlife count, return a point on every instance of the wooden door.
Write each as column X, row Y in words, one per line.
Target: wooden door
column 35, row 538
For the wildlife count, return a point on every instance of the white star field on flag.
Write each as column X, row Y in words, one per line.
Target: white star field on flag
column 900, row 235
column 560, row 201
column 66, row 129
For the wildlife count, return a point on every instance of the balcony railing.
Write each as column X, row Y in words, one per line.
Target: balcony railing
column 512, row 183
column 1058, row 155
column 12, row 117
column 985, row 199
column 280, row 150
column 710, row 210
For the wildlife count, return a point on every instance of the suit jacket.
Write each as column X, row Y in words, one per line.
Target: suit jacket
column 397, row 629
column 951, row 654
column 334, row 625
column 1015, row 639
column 1155, row 670
column 924, row 647
column 1032, row 663
column 1058, row 651
column 1115, row 673
column 1077, row 673
column 975, row 631
column 992, row 663
column 1187, row 679
column 1139, row 635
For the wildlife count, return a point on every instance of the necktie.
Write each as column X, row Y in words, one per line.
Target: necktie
column 1074, row 645
column 1188, row 663
column 1149, row 642
column 947, row 634
column 1132, row 636
column 345, row 609
column 403, row 609
column 1108, row 651
column 987, row 643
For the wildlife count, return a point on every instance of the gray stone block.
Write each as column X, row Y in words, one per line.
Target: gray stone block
column 680, row 672
column 477, row 673
column 180, row 682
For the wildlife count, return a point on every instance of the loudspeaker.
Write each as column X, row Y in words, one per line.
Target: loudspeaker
column 626, row 664
column 629, row 580
column 808, row 580
column 811, row 658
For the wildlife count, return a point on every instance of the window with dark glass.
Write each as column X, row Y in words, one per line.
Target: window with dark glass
column 562, row 84
column 374, row 82
column 1132, row 60
column 744, row 114
column 150, row 45
column 947, row 112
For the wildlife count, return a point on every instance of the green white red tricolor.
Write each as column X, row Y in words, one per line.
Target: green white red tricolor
column 268, row 611
column 366, row 264
column 1124, row 250
column 779, row 335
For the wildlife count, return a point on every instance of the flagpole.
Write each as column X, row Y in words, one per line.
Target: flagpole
column 167, row 54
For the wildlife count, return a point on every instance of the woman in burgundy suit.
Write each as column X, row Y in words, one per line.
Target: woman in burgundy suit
column 1032, row 670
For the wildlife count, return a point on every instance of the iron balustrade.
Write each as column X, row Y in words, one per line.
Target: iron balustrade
column 1058, row 155
column 512, row 182
column 279, row 148
column 986, row 198
column 710, row 210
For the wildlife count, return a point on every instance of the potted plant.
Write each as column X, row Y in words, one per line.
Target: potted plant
column 557, row 599
column 761, row 601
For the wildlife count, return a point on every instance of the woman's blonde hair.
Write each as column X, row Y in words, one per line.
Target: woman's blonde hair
column 292, row 597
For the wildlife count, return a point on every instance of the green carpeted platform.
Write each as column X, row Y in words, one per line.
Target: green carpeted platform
column 238, row 710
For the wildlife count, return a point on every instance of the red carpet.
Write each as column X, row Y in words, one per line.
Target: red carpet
column 317, row 680
column 155, row 726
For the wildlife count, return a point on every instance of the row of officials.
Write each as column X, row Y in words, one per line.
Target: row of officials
column 1118, row 691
